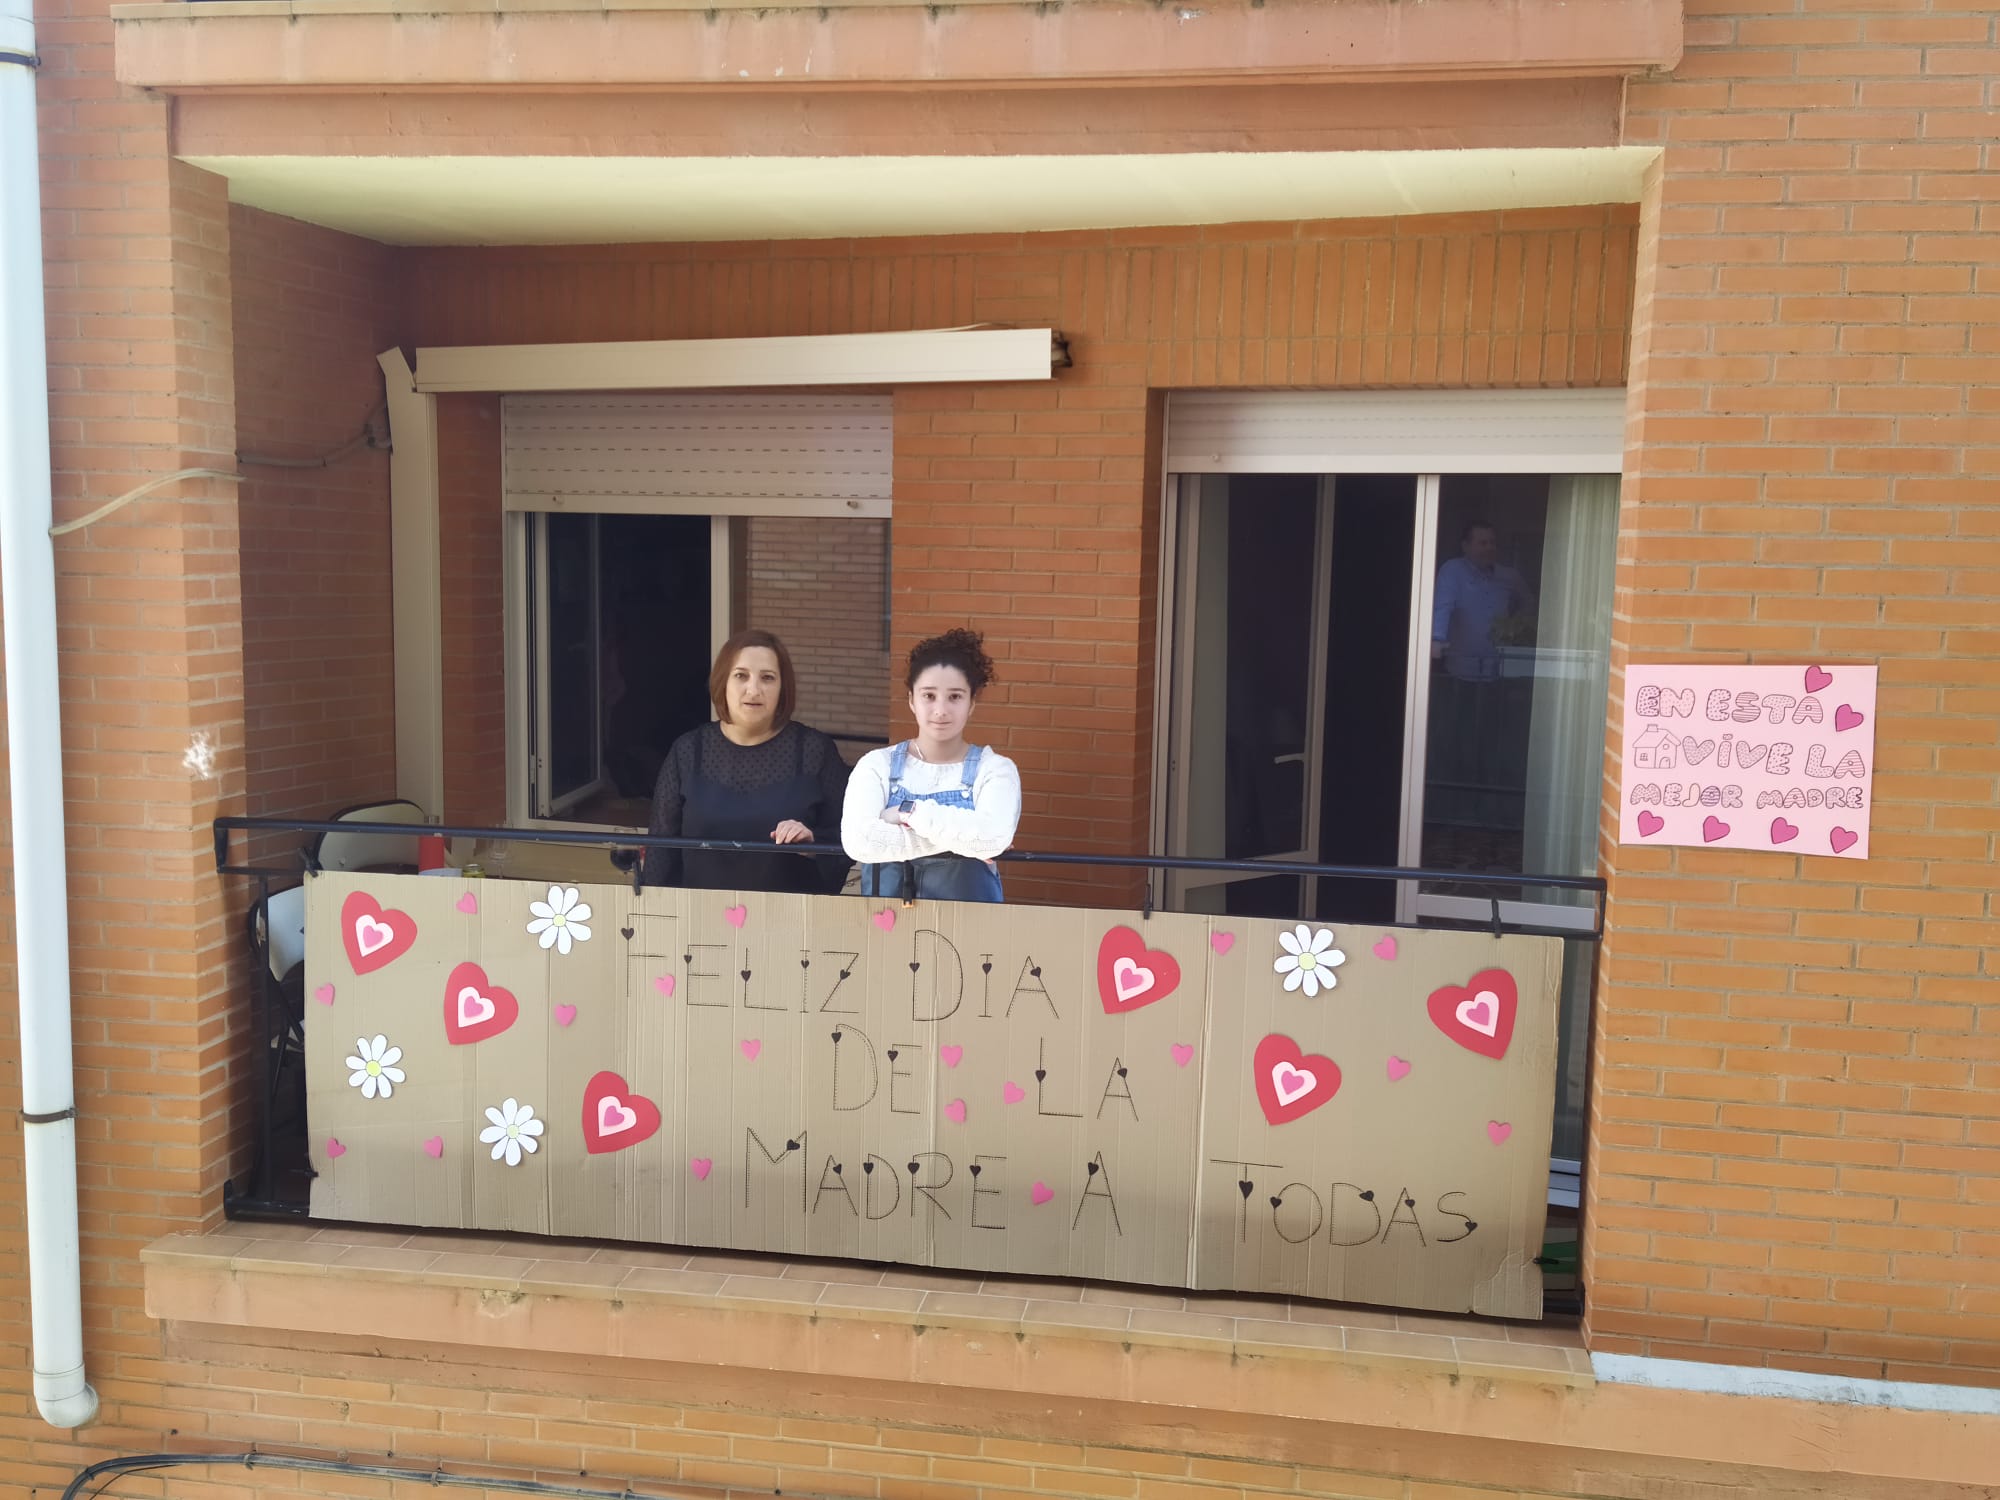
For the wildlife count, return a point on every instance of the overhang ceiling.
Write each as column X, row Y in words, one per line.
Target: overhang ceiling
column 491, row 200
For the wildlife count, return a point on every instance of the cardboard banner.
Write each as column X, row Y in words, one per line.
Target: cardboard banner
column 1217, row 1102
column 1773, row 758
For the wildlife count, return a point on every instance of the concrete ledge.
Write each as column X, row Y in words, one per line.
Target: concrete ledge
column 1162, row 1354
column 580, row 43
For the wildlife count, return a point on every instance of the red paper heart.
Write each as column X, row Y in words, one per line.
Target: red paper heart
column 1131, row 975
column 474, row 1007
column 614, row 1117
column 1478, row 1015
column 373, row 937
column 1291, row 1083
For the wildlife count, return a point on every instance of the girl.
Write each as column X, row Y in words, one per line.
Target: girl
column 928, row 816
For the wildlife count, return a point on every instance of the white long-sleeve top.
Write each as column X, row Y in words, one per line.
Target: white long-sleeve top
column 980, row 831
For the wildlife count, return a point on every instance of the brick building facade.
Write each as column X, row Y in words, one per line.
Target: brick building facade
column 1794, row 1161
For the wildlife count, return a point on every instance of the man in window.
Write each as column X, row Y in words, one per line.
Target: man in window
column 1475, row 591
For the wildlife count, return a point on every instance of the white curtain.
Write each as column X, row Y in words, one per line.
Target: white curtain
column 1572, row 676
column 1566, row 744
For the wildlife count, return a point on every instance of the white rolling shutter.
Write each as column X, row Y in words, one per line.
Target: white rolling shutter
column 1396, row 432
column 706, row 454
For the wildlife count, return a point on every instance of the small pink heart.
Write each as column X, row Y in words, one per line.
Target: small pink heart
column 1842, row 840
column 735, row 915
column 1012, row 1092
column 434, row 1148
column 885, row 919
column 1183, row 1054
column 469, row 904
column 324, row 994
column 701, row 1166
column 1497, row 1132
column 565, row 1014
column 955, row 1111
column 1398, row 1070
column 1817, row 678
column 1846, row 718
column 1650, row 823
column 1041, row 1192
column 1783, row 832
column 951, row 1053
column 1385, row 947
column 1221, row 942
column 751, row 1048
column 665, row 985
column 1713, row 828
column 334, row 1149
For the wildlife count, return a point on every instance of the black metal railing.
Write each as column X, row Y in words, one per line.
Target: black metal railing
column 282, row 1028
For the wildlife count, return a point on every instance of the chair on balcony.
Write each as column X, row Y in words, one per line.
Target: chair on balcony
column 370, row 851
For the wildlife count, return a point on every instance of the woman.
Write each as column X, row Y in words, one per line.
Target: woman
column 753, row 776
column 927, row 817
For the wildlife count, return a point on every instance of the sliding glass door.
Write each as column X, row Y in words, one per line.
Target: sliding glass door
column 1389, row 670
column 1245, row 769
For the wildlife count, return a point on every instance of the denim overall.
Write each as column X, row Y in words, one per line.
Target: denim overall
column 936, row 877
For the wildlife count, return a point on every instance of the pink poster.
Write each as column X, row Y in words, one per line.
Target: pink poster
column 1778, row 758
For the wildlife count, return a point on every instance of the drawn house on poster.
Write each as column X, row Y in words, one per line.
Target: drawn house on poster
column 1655, row 750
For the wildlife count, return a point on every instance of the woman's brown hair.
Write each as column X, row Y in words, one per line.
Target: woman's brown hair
column 725, row 662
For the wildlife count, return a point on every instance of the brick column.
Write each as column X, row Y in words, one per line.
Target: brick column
column 1797, row 1119
column 148, row 602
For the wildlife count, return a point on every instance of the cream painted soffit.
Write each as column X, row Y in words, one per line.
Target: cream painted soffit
column 467, row 200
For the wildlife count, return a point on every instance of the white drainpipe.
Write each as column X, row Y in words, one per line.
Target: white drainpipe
column 34, row 746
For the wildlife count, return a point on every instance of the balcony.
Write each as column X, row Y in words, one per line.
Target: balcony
column 1162, row 1100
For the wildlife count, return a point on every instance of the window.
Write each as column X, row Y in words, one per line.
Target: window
column 643, row 531
column 1368, row 661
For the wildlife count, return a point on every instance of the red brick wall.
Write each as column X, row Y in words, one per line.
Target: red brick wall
column 822, row 586
column 312, row 309
column 1026, row 510
column 136, row 250
column 1797, row 1121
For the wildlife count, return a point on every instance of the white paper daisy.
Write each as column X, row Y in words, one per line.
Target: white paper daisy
column 513, row 1131
column 560, row 919
column 1309, row 959
column 375, row 1071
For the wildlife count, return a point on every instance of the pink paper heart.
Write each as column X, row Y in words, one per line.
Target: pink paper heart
column 665, row 985
column 1221, row 942
column 885, row 919
column 1497, row 1132
column 1783, row 832
column 1817, row 678
column 955, row 1111
column 1012, row 1092
column 1841, row 840
column 1846, row 718
column 469, row 904
column 1713, row 828
column 434, row 1148
column 1398, row 1070
column 701, row 1166
column 1650, row 823
column 565, row 1014
column 1183, row 1054
column 334, row 1149
column 1040, row 1193
column 735, row 915
column 951, row 1053
column 1385, row 947
column 751, row 1048
column 324, row 994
